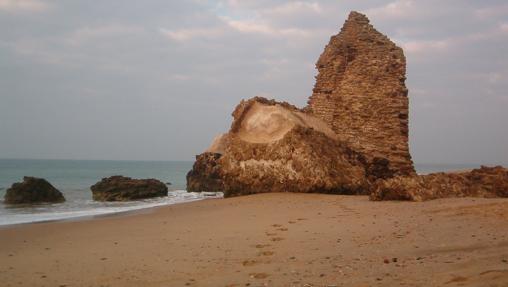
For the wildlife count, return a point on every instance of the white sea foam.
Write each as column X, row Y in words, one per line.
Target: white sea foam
column 87, row 208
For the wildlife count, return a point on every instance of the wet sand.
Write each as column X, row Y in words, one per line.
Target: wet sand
column 269, row 240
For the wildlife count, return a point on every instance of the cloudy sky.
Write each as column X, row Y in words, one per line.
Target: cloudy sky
column 157, row 80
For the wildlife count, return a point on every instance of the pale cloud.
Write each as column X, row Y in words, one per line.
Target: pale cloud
column 248, row 26
column 268, row 17
column 415, row 47
column 489, row 78
column 257, row 27
column 31, row 48
column 291, row 8
column 503, row 27
column 23, row 5
column 245, row 4
column 494, row 78
column 394, row 10
column 451, row 44
column 87, row 34
column 184, row 35
column 490, row 12
column 179, row 77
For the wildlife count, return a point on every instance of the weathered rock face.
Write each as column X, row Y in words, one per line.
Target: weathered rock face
column 206, row 174
column 275, row 147
column 482, row 182
column 360, row 92
column 32, row 190
column 121, row 188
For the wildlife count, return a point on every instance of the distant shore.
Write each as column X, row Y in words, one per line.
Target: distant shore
column 271, row 239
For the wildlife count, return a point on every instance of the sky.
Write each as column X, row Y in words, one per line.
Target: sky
column 158, row 80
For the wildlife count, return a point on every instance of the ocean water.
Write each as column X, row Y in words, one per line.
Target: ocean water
column 74, row 178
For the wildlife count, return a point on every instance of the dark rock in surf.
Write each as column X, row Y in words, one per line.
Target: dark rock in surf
column 32, row 190
column 121, row 188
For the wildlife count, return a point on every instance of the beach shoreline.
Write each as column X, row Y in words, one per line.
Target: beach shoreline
column 141, row 210
column 268, row 240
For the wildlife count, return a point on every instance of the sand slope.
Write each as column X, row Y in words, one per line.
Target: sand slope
column 269, row 240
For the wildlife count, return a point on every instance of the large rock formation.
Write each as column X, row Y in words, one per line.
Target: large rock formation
column 482, row 182
column 360, row 93
column 352, row 138
column 275, row 147
column 353, row 132
column 121, row 188
column 32, row 190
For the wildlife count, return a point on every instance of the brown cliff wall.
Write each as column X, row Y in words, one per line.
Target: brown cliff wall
column 360, row 92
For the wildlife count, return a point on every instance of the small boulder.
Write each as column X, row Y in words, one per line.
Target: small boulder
column 32, row 190
column 121, row 188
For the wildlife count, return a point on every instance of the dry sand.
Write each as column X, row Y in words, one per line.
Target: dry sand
column 269, row 240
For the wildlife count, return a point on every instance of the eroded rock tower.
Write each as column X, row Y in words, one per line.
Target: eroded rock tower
column 360, row 93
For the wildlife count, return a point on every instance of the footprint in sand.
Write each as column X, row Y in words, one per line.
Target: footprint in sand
column 270, row 234
column 262, row 245
column 249, row 262
column 276, row 225
column 457, row 279
column 258, row 275
column 282, row 229
column 266, row 253
column 276, row 238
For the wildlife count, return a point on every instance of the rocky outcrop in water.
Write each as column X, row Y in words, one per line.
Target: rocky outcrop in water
column 360, row 93
column 482, row 182
column 121, row 188
column 275, row 147
column 32, row 190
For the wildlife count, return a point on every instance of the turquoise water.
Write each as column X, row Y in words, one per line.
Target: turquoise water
column 74, row 178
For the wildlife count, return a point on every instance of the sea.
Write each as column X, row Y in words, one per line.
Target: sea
column 74, row 178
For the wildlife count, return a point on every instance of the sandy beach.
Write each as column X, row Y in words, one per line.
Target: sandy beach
column 269, row 240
